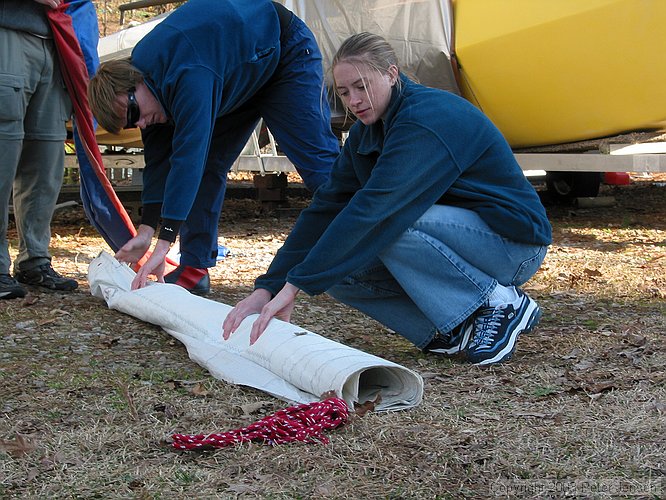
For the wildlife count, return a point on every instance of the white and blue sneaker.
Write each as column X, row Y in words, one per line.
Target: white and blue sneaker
column 495, row 329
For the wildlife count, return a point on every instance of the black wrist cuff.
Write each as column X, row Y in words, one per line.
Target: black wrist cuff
column 150, row 215
column 169, row 229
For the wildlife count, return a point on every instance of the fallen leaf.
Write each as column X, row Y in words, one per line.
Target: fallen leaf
column 363, row 408
column 18, row 446
column 572, row 355
column 601, row 387
column 29, row 300
column 583, row 365
column 135, row 484
column 199, row 390
column 110, row 342
column 168, row 410
column 62, row 312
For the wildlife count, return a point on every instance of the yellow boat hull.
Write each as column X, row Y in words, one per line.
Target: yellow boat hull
column 127, row 138
column 550, row 72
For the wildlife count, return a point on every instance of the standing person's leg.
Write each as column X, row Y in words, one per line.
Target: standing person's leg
column 10, row 150
column 36, row 189
column 199, row 233
column 295, row 108
column 12, row 110
column 198, row 243
column 41, row 164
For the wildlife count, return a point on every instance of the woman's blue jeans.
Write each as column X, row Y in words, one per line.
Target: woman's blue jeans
column 437, row 274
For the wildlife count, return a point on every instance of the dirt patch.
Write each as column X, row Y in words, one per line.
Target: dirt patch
column 89, row 396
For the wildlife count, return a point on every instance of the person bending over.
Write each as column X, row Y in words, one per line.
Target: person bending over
column 197, row 85
column 427, row 223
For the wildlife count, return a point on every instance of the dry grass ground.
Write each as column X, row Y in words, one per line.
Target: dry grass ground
column 89, row 396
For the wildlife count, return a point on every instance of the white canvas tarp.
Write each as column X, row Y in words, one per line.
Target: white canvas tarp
column 119, row 45
column 420, row 31
column 288, row 362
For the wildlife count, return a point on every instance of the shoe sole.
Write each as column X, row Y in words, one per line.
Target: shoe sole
column 201, row 292
column 193, row 291
column 532, row 320
column 68, row 288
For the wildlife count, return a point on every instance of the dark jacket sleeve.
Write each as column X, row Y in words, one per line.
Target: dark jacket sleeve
column 404, row 182
column 327, row 202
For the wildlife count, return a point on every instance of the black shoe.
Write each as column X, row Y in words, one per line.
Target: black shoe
column 452, row 343
column 195, row 280
column 9, row 288
column 46, row 277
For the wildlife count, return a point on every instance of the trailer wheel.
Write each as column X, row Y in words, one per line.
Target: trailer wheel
column 564, row 187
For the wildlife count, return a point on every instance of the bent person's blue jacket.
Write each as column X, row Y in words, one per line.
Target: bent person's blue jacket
column 433, row 147
column 203, row 61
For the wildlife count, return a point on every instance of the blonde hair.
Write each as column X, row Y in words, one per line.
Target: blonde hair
column 370, row 50
column 113, row 78
column 367, row 48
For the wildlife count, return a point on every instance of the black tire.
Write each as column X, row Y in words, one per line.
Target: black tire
column 564, row 187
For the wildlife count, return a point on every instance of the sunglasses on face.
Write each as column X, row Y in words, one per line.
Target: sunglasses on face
column 133, row 111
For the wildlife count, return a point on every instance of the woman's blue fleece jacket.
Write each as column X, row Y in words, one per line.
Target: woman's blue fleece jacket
column 202, row 62
column 433, row 147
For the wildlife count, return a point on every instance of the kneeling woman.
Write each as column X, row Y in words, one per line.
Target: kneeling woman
column 427, row 223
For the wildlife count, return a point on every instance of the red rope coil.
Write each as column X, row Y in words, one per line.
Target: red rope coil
column 304, row 422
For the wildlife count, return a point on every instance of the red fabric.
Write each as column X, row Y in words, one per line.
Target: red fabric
column 75, row 74
column 190, row 277
column 305, row 422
